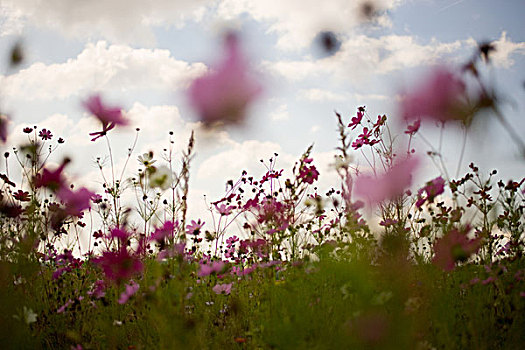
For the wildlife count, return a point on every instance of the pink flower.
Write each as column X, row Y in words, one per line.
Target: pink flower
column 308, row 174
column 208, row 269
column 388, row 222
column 194, row 227
column 65, row 306
column 388, row 185
column 164, row 231
column 433, row 188
column 454, row 247
column 119, row 266
column 108, row 116
column 224, row 210
column 223, row 288
column 223, row 95
column 131, row 289
column 53, row 180
column 440, row 97
column 412, row 129
column 98, row 289
column 75, row 201
column 357, row 120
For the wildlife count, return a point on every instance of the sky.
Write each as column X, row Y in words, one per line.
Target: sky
column 143, row 55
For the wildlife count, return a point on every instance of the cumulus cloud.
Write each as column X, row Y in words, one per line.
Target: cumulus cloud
column 101, row 66
column 361, row 55
column 281, row 113
column 297, row 22
column 11, row 19
column 120, row 20
column 505, row 49
column 239, row 156
column 320, row 95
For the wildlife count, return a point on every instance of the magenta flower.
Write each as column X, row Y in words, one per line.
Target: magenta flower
column 388, row 222
column 224, row 95
column 131, row 289
column 224, row 210
column 164, row 231
column 440, row 97
column 108, row 116
column 75, row 202
column 119, row 266
column 208, row 269
column 432, row 189
column 308, row 174
column 53, row 180
column 22, row 196
column 357, row 120
column 98, row 289
column 388, row 185
column 194, row 227
column 45, row 134
column 455, row 246
column 223, row 288
column 364, row 139
column 412, row 129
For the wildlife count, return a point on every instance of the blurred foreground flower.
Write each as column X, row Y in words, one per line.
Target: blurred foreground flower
column 388, row 185
column 225, row 288
column 3, row 127
column 442, row 97
column 131, row 289
column 222, row 96
column 108, row 116
column 455, row 246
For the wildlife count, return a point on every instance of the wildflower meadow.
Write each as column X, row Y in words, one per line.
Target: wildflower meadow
column 379, row 260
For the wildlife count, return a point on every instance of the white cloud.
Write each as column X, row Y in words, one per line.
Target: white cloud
column 505, row 49
column 238, row 157
column 11, row 20
column 319, row 95
column 297, row 22
column 122, row 20
column 101, row 66
column 361, row 55
column 281, row 113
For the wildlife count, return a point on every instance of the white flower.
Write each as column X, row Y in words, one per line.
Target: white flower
column 162, row 177
column 28, row 316
column 146, row 159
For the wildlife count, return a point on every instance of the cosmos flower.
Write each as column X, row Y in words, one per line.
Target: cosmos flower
column 413, row 128
column 223, row 95
column 53, row 180
column 455, row 246
column 108, row 116
column 388, row 185
column 309, row 174
column 45, row 134
column 194, row 227
column 75, row 202
column 131, row 289
column 441, row 97
column 120, row 265
column 208, row 269
column 164, row 231
column 432, row 189
column 223, row 288
column 161, row 177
